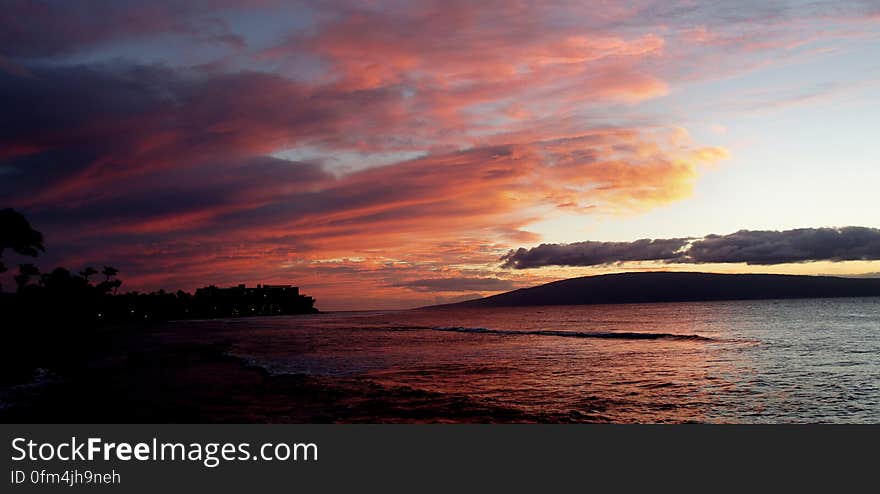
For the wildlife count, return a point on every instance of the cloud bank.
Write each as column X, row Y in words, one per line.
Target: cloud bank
column 591, row 253
column 850, row 243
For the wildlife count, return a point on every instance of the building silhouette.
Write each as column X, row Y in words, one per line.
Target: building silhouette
column 241, row 301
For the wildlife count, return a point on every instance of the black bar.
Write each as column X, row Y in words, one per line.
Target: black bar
column 468, row 458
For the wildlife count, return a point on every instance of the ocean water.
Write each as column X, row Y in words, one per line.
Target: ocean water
column 769, row 361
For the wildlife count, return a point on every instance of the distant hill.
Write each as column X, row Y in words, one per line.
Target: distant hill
column 648, row 287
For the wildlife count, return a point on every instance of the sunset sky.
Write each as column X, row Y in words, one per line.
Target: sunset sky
column 389, row 154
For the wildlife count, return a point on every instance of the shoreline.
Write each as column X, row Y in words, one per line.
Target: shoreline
column 143, row 379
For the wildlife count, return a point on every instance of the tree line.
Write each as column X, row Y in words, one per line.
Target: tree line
column 53, row 319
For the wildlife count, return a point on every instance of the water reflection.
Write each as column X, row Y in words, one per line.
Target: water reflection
column 763, row 361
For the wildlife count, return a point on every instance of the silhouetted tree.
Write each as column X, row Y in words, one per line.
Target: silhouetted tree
column 59, row 279
column 25, row 273
column 88, row 272
column 17, row 234
column 109, row 272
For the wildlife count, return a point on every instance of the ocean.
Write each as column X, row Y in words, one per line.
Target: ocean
column 769, row 361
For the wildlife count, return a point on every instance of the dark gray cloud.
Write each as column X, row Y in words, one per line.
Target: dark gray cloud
column 755, row 247
column 457, row 284
column 850, row 243
column 61, row 122
column 115, row 143
column 47, row 28
column 591, row 253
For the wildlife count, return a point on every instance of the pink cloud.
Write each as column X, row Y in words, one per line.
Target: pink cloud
column 517, row 112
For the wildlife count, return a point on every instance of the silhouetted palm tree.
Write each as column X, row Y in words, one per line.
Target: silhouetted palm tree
column 87, row 272
column 17, row 234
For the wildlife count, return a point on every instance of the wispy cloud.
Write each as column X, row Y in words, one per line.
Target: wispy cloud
column 457, row 284
column 487, row 116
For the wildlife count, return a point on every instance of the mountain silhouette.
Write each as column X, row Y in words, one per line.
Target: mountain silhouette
column 646, row 287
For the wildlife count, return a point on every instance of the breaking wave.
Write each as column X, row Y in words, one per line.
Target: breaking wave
column 620, row 335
